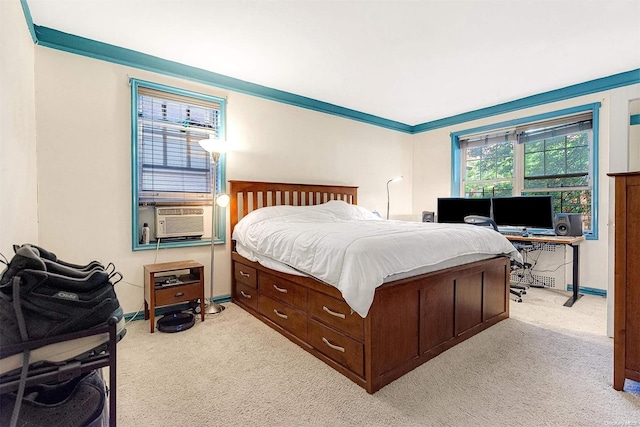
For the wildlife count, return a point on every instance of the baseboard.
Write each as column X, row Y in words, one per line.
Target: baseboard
column 163, row 310
column 589, row 291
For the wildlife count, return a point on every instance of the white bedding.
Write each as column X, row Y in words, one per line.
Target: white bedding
column 354, row 250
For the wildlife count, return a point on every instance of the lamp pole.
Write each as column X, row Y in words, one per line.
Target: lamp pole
column 213, row 307
column 214, row 146
column 388, row 197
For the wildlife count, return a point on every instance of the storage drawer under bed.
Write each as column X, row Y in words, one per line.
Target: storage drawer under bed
column 289, row 318
column 283, row 290
column 342, row 349
column 336, row 313
column 246, row 295
column 245, row 274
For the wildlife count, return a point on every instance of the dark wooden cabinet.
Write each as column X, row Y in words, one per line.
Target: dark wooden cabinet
column 626, row 348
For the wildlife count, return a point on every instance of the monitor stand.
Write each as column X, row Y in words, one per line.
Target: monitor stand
column 525, row 233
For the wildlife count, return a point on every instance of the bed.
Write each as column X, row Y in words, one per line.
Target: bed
column 412, row 317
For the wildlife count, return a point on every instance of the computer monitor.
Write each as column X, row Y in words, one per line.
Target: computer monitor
column 454, row 209
column 523, row 211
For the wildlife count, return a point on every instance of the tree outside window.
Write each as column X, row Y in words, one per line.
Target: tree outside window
column 553, row 157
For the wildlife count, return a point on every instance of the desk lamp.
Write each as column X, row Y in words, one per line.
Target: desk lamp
column 394, row 179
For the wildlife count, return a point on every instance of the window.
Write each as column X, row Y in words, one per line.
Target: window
column 488, row 163
column 554, row 154
column 169, row 167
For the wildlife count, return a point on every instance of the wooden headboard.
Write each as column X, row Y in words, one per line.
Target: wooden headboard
column 247, row 196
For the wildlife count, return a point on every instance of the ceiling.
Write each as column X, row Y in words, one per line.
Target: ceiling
column 407, row 61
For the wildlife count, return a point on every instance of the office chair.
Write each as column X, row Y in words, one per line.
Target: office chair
column 515, row 290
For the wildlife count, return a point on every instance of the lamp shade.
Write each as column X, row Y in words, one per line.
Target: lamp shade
column 214, row 145
column 223, row 200
column 396, row 178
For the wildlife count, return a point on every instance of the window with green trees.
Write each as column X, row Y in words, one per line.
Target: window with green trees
column 553, row 157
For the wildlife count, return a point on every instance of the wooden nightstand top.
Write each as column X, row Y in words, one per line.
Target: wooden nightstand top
column 171, row 266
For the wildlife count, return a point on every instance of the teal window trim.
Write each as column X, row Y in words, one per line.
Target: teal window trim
column 594, row 108
column 455, row 165
column 221, row 216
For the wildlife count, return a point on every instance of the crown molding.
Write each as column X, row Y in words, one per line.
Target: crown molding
column 48, row 37
column 97, row 50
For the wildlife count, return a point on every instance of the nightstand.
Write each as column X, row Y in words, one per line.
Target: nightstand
column 172, row 283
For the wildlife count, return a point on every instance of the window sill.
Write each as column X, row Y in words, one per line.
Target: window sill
column 175, row 244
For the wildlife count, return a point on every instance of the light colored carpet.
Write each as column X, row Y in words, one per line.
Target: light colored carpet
column 547, row 365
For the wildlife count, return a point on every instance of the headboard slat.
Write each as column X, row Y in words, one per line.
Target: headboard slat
column 242, row 192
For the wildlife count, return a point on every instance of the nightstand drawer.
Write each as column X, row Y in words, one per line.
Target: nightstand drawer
column 284, row 315
column 245, row 274
column 246, row 295
column 283, row 290
column 176, row 294
column 344, row 350
column 336, row 314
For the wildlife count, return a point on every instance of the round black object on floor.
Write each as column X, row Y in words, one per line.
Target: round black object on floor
column 175, row 322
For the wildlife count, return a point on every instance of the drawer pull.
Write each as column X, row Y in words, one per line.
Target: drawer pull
column 333, row 346
column 284, row 316
column 284, row 291
column 244, row 294
column 333, row 313
column 243, row 274
column 179, row 294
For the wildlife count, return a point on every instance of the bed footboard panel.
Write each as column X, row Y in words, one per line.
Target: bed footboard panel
column 415, row 320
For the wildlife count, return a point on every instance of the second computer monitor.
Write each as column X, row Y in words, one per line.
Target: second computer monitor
column 523, row 211
column 454, row 209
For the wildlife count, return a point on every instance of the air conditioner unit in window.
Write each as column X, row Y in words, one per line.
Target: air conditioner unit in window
column 179, row 221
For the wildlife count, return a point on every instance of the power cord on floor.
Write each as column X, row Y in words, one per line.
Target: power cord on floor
column 135, row 314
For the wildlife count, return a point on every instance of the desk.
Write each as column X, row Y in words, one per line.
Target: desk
column 572, row 241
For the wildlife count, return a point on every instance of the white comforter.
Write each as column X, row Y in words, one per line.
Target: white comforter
column 354, row 250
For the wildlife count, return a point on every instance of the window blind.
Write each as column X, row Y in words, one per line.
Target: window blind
column 479, row 140
column 556, row 154
column 558, row 127
column 171, row 164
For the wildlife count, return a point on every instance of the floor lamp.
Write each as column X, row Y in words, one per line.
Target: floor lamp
column 394, row 179
column 214, row 147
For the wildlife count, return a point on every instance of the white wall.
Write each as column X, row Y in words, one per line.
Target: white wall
column 18, row 173
column 84, row 146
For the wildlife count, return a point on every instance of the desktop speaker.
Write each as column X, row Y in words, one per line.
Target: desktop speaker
column 428, row 216
column 568, row 224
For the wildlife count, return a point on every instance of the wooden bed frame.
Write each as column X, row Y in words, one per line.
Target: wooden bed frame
column 411, row 320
